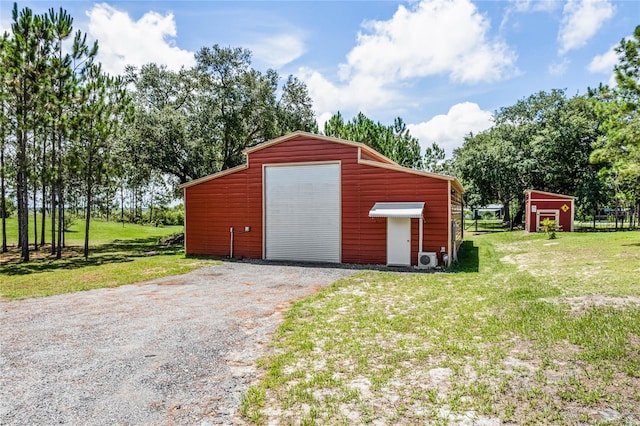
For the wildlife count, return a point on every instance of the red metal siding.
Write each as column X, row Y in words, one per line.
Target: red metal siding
column 364, row 239
column 545, row 201
column 214, row 206
column 236, row 200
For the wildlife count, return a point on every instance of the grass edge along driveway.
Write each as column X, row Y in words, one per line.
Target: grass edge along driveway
column 529, row 331
column 135, row 255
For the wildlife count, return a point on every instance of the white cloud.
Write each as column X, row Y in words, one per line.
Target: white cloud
column 4, row 26
column 123, row 41
column 321, row 119
column 604, row 63
column 431, row 38
column 581, row 20
column 278, row 50
column 526, row 6
column 362, row 94
column 559, row 68
column 534, row 6
column 435, row 37
column 448, row 130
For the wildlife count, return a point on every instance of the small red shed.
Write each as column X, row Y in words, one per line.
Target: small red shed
column 542, row 205
column 308, row 197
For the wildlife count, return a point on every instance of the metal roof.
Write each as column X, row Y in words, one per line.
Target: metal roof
column 380, row 160
column 410, row 210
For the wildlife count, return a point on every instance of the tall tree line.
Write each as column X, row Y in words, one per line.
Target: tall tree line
column 47, row 131
column 543, row 142
column 74, row 139
column 197, row 121
column 617, row 152
column 586, row 145
column 393, row 141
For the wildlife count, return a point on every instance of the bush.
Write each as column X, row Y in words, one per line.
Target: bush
column 70, row 220
column 550, row 228
column 488, row 216
column 167, row 216
column 9, row 208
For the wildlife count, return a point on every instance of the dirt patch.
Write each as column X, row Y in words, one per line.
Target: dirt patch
column 583, row 303
column 42, row 254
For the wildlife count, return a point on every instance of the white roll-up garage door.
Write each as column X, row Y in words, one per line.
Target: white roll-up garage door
column 302, row 212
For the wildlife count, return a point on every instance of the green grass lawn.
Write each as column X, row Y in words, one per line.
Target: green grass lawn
column 528, row 331
column 120, row 254
column 100, row 232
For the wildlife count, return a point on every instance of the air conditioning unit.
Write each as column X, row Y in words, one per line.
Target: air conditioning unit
column 427, row 260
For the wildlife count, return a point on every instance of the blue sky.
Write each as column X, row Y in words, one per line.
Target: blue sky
column 444, row 66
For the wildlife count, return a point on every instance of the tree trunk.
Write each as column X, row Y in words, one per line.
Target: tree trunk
column 507, row 213
column 132, row 207
column 60, row 200
column 64, row 231
column 19, row 234
column 108, row 204
column 34, row 199
column 88, row 204
column 87, row 222
column 44, row 213
column 517, row 220
column 54, row 189
column 122, row 203
column 22, row 190
column 23, row 212
column 35, row 218
column 44, row 190
column 3, row 194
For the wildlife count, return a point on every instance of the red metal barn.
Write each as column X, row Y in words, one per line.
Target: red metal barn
column 307, row 197
column 541, row 205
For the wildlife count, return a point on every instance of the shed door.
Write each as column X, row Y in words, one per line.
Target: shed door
column 302, row 212
column 546, row 214
column 398, row 241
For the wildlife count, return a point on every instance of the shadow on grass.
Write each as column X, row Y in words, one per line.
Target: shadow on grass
column 468, row 258
column 118, row 251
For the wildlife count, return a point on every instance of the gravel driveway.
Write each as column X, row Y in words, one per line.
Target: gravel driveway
column 176, row 350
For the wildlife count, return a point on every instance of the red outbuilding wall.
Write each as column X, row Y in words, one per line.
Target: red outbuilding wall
column 540, row 205
column 235, row 199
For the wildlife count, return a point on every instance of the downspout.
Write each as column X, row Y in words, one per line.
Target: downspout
column 184, row 221
column 421, row 232
column 448, row 223
column 233, row 232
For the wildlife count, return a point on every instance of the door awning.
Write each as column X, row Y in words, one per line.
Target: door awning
column 410, row 210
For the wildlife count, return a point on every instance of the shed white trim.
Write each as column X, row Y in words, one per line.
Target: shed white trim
column 409, row 210
column 529, row 191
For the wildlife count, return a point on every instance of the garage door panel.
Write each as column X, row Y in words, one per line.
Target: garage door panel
column 302, row 212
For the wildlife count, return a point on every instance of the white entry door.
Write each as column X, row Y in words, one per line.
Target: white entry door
column 398, row 241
